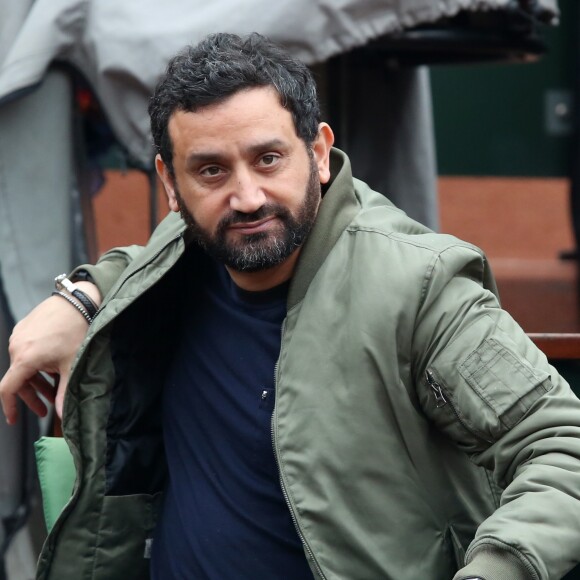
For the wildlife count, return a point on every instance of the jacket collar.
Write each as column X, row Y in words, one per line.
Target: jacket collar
column 338, row 208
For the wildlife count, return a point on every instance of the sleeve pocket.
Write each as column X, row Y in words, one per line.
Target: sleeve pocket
column 484, row 391
column 506, row 382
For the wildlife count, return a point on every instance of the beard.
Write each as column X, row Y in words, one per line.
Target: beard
column 262, row 250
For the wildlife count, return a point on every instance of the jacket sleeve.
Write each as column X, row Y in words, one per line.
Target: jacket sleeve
column 484, row 383
column 113, row 263
column 109, row 267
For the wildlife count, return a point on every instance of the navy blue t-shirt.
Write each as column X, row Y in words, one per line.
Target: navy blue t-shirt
column 224, row 515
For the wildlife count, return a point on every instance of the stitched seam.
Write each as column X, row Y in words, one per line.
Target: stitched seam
column 396, row 236
column 501, row 409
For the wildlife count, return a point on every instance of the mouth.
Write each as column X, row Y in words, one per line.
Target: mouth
column 254, row 227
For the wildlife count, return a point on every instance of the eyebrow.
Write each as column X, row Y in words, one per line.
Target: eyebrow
column 266, row 146
column 215, row 156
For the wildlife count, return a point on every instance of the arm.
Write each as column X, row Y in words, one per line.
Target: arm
column 511, row 412
column 48, row 339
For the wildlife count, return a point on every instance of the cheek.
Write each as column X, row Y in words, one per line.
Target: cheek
column 294, row 195
column 207, row 212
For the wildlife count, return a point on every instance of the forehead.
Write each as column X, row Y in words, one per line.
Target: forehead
column 249, row 115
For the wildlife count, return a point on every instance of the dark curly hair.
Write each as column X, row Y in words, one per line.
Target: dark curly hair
column 223, row 64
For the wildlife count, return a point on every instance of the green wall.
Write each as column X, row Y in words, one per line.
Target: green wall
column 490, row 119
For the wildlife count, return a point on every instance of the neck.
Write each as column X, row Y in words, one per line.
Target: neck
column 265, row 279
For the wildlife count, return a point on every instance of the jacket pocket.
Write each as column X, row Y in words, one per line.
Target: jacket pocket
column 124, row 539
column 505, row 381
column 476, row 395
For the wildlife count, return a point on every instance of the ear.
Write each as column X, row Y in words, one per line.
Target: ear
column 167, row 181
column 321, row 149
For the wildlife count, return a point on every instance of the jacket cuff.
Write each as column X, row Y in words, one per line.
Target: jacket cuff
column 492, row 563
column 103, row 275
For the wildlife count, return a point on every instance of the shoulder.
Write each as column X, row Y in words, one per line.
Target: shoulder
column 386, row 233
column 378, row 215
column 387, row 241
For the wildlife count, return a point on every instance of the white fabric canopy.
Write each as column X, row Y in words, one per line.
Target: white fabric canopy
column 123, row 46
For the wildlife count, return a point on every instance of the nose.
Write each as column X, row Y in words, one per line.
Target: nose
column 247, row 196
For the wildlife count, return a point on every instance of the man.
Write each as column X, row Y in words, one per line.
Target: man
column 416, row 432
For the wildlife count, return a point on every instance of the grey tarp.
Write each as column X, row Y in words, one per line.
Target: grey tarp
column 121, row 48
column 35, row 194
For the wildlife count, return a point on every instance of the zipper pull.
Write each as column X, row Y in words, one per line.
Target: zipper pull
column 440, row 399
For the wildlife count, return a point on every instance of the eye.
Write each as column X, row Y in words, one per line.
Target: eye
column 211, row 171
column 269, row 160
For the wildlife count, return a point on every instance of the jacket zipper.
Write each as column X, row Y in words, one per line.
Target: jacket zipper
column 442, row 399
column 283, row 486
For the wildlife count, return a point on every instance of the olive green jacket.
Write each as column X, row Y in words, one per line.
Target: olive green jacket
column 416, row 427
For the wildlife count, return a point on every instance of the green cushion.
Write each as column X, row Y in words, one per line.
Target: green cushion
column 57, row 474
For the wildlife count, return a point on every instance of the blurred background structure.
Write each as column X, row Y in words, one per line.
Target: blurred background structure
column 461, row 111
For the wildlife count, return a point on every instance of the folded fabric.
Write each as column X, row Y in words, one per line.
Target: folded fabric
column 56, row 473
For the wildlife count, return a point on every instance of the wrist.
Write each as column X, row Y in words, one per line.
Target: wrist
column 82, row 295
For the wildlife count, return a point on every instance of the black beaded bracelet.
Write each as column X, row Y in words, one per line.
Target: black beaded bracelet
column 76, row 304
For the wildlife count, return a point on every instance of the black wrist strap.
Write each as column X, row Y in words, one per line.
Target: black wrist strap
column 86, row 301
column 82, row 276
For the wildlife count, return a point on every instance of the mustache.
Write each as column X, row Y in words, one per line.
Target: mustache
column 238, row 217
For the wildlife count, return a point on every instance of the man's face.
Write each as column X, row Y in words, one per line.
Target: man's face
column 245, row 183
column 259, row 250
